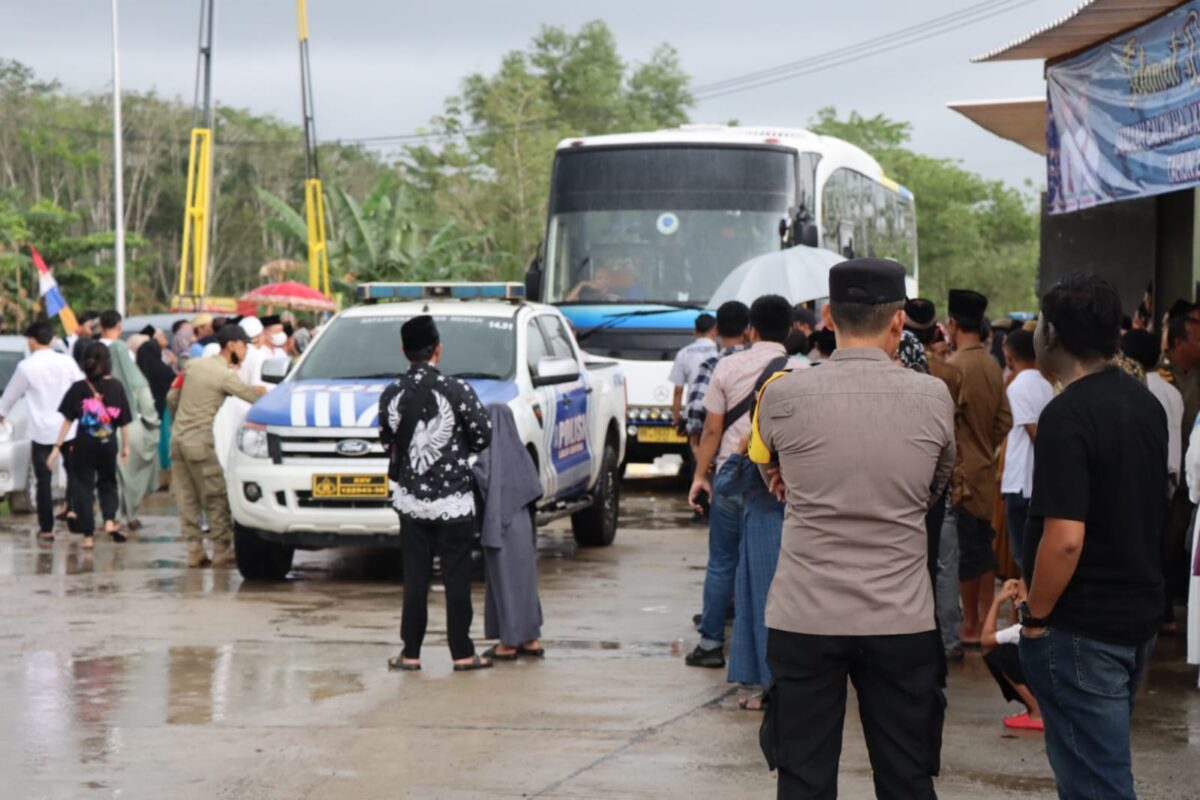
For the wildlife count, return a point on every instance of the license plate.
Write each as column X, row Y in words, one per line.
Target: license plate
column 349, row 487
column 660, row 435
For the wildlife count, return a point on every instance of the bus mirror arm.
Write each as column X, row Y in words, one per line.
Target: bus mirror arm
column 533, row 280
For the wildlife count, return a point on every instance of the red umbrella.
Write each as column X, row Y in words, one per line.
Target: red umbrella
column 290, row 294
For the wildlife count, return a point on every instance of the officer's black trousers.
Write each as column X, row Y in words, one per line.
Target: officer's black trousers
column 452, row 542
column 899, row 701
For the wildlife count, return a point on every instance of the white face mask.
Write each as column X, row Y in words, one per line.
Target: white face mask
column 278, row 339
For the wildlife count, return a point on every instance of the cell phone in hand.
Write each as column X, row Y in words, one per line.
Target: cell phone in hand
column 703, row 501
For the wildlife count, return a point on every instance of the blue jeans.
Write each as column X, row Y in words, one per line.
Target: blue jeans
column 946, row 589
column 1086, row 689
column 1016, row 510
column 724, row 541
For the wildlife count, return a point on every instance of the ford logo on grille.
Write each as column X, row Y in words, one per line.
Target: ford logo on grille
column 353, row 447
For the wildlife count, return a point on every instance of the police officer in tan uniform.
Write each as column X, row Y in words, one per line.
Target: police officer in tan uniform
column 862, row 448
column 197, row 480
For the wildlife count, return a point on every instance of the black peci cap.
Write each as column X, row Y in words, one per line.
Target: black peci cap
column 967, row 304
column 419, row 333
column 867, row 281
column 231, row 333
column 921, row 313
column 271, row 319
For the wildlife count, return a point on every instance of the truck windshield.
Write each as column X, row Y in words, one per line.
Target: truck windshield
column 662, row 224
column 356, row 348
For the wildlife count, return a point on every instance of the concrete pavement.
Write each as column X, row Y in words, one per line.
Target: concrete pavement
column 122, row 674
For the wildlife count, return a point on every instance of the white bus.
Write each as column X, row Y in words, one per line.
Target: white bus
column 643, row 227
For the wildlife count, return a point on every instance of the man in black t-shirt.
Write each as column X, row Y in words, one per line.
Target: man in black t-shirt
column 1093, row 551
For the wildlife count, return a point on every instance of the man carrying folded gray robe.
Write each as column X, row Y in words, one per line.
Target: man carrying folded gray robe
column 508, row 485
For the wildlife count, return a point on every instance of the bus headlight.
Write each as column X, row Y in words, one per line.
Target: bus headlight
column 253, row 441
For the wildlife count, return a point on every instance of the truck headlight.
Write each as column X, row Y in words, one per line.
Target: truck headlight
column 6, row 432
column 253, row 441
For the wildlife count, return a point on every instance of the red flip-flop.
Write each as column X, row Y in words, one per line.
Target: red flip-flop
column 1024, row 722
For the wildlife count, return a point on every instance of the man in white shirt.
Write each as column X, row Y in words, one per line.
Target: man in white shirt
column 273, row 337
column 1028, row 393
column 688, row 361
column 1143, row 347
column 42, row 379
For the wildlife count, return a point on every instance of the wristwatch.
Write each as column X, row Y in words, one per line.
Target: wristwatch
column 1028, row 620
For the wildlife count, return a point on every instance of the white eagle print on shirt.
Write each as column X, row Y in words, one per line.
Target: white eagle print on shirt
column 430, row 437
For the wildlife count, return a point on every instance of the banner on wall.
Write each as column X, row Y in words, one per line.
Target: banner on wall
column 1124, row 117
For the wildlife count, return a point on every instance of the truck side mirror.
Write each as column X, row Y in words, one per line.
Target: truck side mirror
column 533, row 280
column 276, row 369
column 551, row 371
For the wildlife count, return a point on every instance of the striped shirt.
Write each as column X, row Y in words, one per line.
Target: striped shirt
column 699, row 388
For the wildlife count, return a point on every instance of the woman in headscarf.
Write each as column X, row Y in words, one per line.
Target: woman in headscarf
column 137, row 476
column 159, row 376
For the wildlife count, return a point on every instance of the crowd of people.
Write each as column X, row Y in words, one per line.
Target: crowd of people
column 106, row 407
column 868, row 475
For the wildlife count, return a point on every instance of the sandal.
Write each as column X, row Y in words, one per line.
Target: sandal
column 135, row 524
column 492, row 655
column 1024, row 722
column 535, row 652
column 474, row 664
column 399, row 664
column 753, row 702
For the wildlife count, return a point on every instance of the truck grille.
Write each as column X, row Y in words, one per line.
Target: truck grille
column 290, row 449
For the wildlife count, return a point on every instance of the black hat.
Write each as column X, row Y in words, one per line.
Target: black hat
column 867, row 281
column 273, row 319
column 419, row 333
column 149, row 330
column 921, row 313
column 967, row 304
column 231, row 333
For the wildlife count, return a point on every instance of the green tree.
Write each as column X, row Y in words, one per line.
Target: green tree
column 972, row 232
column 489, row 168
column 379, row 238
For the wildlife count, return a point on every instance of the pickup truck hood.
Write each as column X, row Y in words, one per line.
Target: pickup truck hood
column 345, row 403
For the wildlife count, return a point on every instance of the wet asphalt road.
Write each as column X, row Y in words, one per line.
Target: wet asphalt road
column 122, row 674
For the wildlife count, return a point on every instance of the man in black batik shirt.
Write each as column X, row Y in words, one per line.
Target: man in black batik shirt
column 430, row 425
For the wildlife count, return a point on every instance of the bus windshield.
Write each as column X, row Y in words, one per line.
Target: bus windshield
column 357, row 348
column 662, row 224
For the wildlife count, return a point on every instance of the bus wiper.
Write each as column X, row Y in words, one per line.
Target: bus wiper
column 616, row 319
column 481, row 376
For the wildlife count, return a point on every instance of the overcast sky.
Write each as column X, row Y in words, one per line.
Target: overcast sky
column 383, row 67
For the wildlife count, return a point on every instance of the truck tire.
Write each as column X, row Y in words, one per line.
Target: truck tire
column 259, row 559
column 23, row 501
column 596, row 526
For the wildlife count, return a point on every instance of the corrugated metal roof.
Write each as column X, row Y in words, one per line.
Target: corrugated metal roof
column 1021, row 120
column 1093, row 22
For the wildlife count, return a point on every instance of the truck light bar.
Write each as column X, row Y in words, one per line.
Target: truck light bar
column 436, row 291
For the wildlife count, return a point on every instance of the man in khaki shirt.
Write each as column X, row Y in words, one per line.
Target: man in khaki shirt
column 863, row 447
column 984, row 420
column 197, row 480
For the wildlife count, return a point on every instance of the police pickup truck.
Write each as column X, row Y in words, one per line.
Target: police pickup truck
column 308, row 470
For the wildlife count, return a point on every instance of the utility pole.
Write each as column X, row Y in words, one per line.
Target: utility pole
column 118, row 165
column 314, row 195
column 193, row 261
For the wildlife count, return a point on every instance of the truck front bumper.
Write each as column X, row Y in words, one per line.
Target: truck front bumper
column 284, row 509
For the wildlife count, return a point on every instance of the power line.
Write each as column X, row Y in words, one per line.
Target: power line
column 846, row 55
column 919, row 28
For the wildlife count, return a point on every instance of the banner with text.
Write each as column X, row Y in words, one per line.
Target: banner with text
column 1124, row 117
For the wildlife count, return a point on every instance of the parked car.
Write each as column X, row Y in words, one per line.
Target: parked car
column 16, row 478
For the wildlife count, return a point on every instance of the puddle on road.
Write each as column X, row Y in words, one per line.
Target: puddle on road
column 74, row 707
